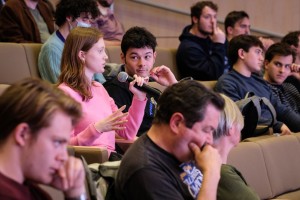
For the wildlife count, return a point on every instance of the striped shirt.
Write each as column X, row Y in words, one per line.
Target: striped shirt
column 288, row 95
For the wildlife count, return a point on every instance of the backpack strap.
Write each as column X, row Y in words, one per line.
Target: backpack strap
column 271, row 109
column 254, row 99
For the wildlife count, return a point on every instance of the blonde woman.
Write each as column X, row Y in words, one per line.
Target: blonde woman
column 232, row 185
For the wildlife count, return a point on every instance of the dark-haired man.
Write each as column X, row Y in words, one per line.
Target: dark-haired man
column 155, row 165
column 202, row 50
column 138, row 55
column 68, row 14
column 293, row 39
column 278, row 64
column 237, row 23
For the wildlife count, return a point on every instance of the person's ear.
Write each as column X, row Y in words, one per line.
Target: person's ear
column 123, row 58
column 21, row 134
column 195, row 20
column 266, row 63
column 81, row 55
column 241, row 54
column 154, row 56
column 69, row 19
column 177, row 122
column 229, row 30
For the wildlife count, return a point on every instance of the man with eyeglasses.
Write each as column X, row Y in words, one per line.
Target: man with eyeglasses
column 68, row 15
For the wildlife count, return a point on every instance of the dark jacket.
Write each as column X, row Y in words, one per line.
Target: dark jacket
column 18, row 25
column 200, row 58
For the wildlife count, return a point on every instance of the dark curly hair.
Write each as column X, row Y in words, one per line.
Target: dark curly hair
column 73, row 8
column 292, row 38
column 138, row 37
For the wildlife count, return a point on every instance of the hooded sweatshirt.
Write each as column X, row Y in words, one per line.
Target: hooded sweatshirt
column 200, row 58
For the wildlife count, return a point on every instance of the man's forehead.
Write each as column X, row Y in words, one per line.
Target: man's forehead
column 85, row 14
column 138, row 51
column 244, row 20
column 279, row 58
column 208, row 9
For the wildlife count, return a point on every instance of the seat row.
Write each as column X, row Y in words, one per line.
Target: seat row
column 20, row 60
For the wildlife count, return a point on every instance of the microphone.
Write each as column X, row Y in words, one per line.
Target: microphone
column 123, row 77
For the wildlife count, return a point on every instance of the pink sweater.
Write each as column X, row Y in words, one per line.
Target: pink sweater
column 97, row 108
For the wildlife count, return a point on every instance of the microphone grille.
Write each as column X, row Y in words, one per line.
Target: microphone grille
column 122, row 77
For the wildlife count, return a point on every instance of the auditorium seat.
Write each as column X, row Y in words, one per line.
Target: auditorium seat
column 14, row 65
column 3, row 87
column 270, row 165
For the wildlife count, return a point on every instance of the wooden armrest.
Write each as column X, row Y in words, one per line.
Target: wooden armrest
column 90, row 153
column 125, row 144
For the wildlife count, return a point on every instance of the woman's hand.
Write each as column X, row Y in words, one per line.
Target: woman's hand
column 139, row 81
column 113, row 121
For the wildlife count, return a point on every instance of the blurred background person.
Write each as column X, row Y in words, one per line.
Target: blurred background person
column 26, row 21
column 232, row 185
column 108, row 24
column 68, row 15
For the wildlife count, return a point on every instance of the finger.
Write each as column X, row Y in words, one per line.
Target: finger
column 120, row 122
column 139, row 81
column 118, row 128
column 194, row 148
column 117, row 113
column 214, row 23
column 63, row 177
column 69, row 171
column 146, row 79
column 131, row 84
column 118, row 117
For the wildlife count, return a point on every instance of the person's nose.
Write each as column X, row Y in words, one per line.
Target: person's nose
column 248, row 31
column 282, row 69
column 209, row 139
column 141, row 62
column 63, row 156
column 213, row 20
column 261, row 57
column 105, row 56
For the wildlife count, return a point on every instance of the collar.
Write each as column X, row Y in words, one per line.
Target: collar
column 59, row 35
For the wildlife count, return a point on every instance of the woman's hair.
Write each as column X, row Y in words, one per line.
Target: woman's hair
column 231, row 115
column 72, row 67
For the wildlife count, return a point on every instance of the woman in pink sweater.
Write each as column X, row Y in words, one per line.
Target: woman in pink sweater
column 83, row 56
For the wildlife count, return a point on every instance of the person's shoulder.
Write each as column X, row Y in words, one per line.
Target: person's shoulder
column 114, row 84
column 53, row 44
column 229, row 76
column 38, row 191
column 15, row 4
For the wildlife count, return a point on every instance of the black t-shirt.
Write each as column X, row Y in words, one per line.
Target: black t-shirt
column 149, row 172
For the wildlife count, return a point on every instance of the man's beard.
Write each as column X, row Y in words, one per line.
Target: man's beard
column 206, row 33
